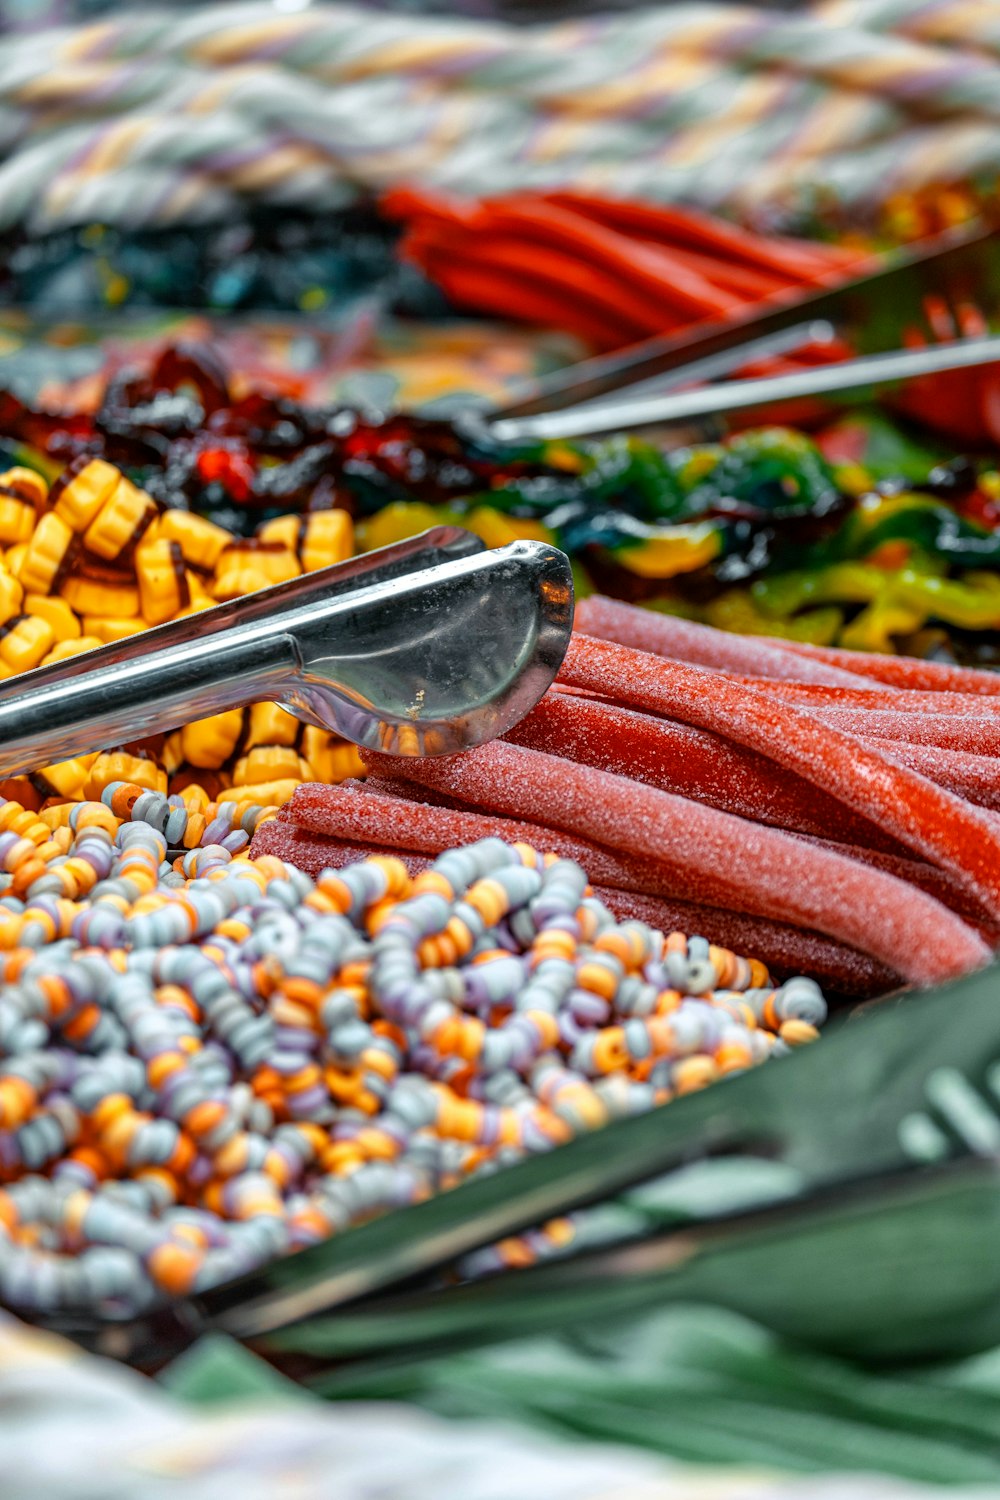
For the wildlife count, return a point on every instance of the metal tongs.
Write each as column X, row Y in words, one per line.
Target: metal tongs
column 648, row 384
column 426, row 647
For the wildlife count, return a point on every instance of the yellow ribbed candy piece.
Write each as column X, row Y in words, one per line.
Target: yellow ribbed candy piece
column 162, row 581
column 88, row 596
column 284, row 529
column 17, row 517
column 270, row 763
column 172, row 753
column 14, row 557
column 200, row 541
column 318, row 540
column 26, row 483
column 329, row 539
column 238, row 582
column 45, row 555
column 240, row 573
column 209, row 743
column 11, row 596
column 271, row 725
column 65, row 625
column 63, row 650
column 345, row 762
column 121, row 521
column 276, row 563
column 86, row 493
column 118, row 765
column 331, row 759
column 25, row 643
column 109, row 628
column 67, row 779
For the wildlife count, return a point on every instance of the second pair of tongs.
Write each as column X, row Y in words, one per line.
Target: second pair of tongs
column 426, row 647
column 647, row 384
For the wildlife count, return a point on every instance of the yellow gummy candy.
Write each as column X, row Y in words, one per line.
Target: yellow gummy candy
column 89, row 597
column 65, row 625
column 200, row 541
column 121, row 521
column 112, row 628
column 86, row 493
column 45, row 555
column 208, row 743
column 26, row 641
column 11, row 596
column 162, row 581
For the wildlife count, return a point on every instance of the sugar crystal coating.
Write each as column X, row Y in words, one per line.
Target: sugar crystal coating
column 940, row 827
column 690, row 762
column 684, row 640
column 770, row 873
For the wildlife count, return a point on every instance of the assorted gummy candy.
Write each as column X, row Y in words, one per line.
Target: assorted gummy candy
column 850, row 537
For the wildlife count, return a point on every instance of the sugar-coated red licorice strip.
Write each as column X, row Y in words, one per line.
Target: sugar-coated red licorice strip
column 483, row 290
column 555, row 272
column 651, row 271
column 908, row 672
column 685, row 226
column 401, row 830
column 314, row 853
column 943, row 885
column 940, row 827
column 394, row 818
column 559, row 271
column 741, row 280
column 770, row 874
column 979, row 735
column 919, row 700
column 785, row 950
column 683, row 640
column 690, row 762
column 974, row 777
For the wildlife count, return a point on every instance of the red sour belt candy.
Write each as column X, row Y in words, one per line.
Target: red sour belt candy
column 907, row 672
column 767, row 873
column 700, row 645
column 395, row 818
column 937, row 825
column 819, row 695
column 941, row 884
column 979, row 735
column 314, row 853
column 690, row 762
column 974, row 777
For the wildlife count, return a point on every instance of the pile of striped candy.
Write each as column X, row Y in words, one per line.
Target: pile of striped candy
column 208, row 1060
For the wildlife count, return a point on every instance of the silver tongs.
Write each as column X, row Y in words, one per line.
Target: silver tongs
column 649, row 384
column 851, row 375
column 426, row 647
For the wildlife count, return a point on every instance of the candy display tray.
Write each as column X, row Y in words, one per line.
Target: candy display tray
column 830, row 1126
column 801, row 1194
